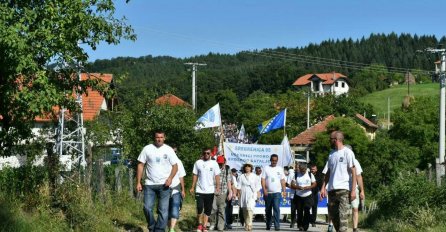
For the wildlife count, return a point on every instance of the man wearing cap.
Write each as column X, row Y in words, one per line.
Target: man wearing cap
column 217, row 219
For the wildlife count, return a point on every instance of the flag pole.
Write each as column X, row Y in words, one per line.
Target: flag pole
column 284, row 124
column 222, row 134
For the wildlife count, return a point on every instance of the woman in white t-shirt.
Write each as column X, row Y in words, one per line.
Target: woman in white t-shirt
column 248, row 186
column 303, row 183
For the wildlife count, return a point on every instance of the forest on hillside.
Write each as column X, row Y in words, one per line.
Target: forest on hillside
column 372, row 63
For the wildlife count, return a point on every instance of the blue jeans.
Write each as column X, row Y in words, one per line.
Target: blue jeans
column 163, row 195
column 174, row 205
column 272, row 201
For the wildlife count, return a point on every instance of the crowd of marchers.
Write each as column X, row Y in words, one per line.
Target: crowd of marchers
column 217, row 189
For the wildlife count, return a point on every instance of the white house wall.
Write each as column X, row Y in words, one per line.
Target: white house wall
column 339, row 89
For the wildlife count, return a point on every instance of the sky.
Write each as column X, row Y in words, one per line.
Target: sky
column 186, row 28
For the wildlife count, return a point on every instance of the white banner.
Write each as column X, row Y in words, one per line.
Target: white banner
column 238, row 154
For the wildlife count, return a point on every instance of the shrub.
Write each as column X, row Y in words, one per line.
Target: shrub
column 410, row 203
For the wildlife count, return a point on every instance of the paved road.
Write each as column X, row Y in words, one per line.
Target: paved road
column 260, row 226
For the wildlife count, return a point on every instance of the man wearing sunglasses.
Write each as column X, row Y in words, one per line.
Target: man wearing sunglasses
column 206, row 183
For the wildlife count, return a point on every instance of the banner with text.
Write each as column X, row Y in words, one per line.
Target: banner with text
column 238, row 154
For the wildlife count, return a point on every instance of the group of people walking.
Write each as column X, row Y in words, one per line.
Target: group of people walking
column 215, row 188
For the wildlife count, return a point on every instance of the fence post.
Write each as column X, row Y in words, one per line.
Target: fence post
column 429, row 167
column 118, row 185
column 101, row 180
column 53, row 166
column 130, row 181
column 438, row 171
column 89, row 167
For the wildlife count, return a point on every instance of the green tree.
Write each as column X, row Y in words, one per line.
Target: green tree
column 417, row 124
column 229, row 105
column 385, row 158
column 354, row 135
column 34, row 34
column 145, row 117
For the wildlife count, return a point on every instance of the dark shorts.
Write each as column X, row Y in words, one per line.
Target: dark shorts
column 204, row 203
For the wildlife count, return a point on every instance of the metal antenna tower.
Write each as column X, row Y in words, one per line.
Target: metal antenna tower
column 70, row 132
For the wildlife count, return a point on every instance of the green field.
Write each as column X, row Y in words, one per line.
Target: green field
column 396, row 94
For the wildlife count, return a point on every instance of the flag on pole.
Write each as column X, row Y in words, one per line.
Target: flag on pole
column 209, row 119
column 276, row 122
column 241, row 134
column 287, row 157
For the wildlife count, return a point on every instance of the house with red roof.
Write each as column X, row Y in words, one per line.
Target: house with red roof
column 369, row 127
column 324, row 83
column 172, row 100
column 303, row 141
column 92, row 103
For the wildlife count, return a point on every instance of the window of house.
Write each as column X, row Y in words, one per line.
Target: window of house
column 315, row 85
column 336, row 84
column 343, row 84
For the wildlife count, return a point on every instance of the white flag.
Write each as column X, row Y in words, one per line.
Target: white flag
column 209, row 119
column 241, row 134
column 287, row 157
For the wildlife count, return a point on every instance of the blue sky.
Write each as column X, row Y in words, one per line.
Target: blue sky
column 181, row 28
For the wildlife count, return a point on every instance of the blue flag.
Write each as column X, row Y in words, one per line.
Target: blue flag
column 276, row 122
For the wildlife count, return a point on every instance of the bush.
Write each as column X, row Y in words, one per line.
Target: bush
column 410, row 203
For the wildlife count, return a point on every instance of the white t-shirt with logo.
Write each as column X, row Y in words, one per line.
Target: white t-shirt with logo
column 339, row 164
column 206, row 172
column 176, row 179
column 304, row 180
column 273, row 177
column 158, row 163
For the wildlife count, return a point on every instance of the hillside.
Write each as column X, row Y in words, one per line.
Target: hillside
column 371, row 63
column 379, row 99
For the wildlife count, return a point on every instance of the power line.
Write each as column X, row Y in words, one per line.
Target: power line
column 269, row 53
column 332, row 62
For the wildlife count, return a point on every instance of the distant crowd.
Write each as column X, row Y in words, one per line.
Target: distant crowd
column 233, row 134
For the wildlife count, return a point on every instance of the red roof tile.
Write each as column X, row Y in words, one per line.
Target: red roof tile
column 366, row 121
column 328, row 78
column 171, row 99
column 308, row 136
column 91, row 102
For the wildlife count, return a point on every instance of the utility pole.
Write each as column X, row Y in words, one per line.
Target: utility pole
column 194, row 70
column 408, row 82
column 441, row 148
column 388, row 113
column 308, row 118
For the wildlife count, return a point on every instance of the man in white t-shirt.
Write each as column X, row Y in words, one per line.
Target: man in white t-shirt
column 360, row 191
column 178, row 194
column 273, row 183
column 340, row 167
column 293, row 200
column 303, row 184
column 160, row 162
column 206, row 179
